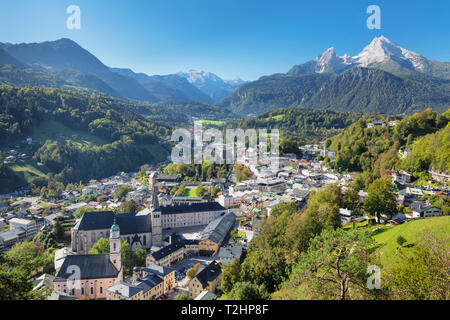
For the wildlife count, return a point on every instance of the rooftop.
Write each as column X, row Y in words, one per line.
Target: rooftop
column 191, row 207
column 129, row 223
column 92, row 266
column 209, row 273
column 218, row 228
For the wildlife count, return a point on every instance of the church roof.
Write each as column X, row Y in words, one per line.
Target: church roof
column 129, row 223
column 191, row 207
column 115, row 226
column 92, row 266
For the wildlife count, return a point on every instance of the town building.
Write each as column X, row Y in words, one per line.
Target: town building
column 187, row 215
column 137, row 230
column 89, row 276
column 206, row 295
column 376, row 124
column 214, row 234
column 440, row 176
column 228, row 254
column 166, row 179
column 401, row 176
column 149, row 288
column 423, row 210
column 147, row 284
column 226, row 201
column 207, row 279
column 10, row 237
column 167, row 255
column 167, row 274
column 31, row 227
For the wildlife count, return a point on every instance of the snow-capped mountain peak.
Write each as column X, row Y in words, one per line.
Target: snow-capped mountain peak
column 381, row 49
column 381, row 52
column 211, row 84
column 329, row 61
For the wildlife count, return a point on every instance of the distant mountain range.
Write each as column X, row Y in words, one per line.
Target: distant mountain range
column 168, row 87
column 211, row 84
column 382, row 54
column 384, row 78
column 65, row 64
column 65, row 54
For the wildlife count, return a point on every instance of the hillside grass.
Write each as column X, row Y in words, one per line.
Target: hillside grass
column 212, row 122
column 386, row 240
column 28, row 169
column 386, row 237
column 53, row 130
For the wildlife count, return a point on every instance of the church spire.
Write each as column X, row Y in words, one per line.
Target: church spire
column 114, row 246
column 155, row 202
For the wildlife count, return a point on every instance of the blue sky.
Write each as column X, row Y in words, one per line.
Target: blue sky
column 245, row 38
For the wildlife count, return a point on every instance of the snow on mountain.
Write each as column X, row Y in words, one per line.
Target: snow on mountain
column 235, row 82
column 381, row 49
column 211, row 84
column 378, row 53
column 329, row 59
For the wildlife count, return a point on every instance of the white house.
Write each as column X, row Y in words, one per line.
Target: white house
column 423, row 210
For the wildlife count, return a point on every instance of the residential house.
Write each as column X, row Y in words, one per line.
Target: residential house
column 207, row 278
column 423, row 210
column 228, row 254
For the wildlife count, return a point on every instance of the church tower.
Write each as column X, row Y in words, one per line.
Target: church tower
column 156, row 220
column 114, row 249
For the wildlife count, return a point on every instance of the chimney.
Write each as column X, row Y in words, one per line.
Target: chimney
column 136, row 274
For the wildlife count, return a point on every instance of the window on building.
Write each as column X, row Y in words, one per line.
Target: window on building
column 92, row 290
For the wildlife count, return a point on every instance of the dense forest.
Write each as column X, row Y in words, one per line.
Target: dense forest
column 307, row 254
column 183, row 113
column 300, row 125
column 22, row 109
column 355, row 90
column 375, row 150
column 130, row 140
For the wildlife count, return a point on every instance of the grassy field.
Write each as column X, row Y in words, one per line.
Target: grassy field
column 277, row 118
column 29, row 168
column 212, row 122
column 190, row 193
column 386, row 237
column 53, row 130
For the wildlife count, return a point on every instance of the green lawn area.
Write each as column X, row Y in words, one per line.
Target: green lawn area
column 190, row 193
column 411, row 231
column 29, row 168
column 54, row 130
column 277, row 118
column 212, row 122
column 349, row 226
